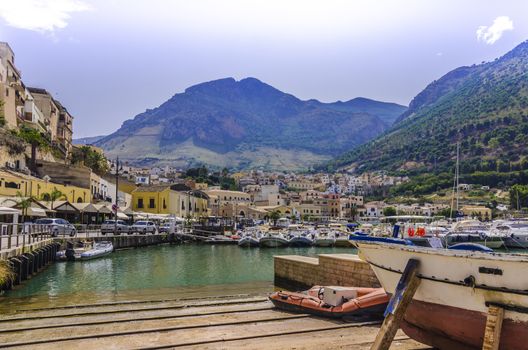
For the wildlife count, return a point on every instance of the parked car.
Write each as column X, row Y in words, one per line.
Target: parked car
column 144, row 227
column 58, row 226
column 110, row 226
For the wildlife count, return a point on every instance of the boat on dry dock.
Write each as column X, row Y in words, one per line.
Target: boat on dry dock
column 451, row 303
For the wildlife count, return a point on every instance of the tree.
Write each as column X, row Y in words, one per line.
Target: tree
column 306, row 218
column 353, row 212
column 293, row 218
column 389, row 211
column 35, row 139
column 519, row 196
column 22, row 203
column 53, row 196
column 275, row 216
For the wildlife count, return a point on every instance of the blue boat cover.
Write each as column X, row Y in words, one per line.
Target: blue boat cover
column 474, row 247
column 363, row 238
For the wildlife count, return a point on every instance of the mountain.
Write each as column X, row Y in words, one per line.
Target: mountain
column 87, row 140
column 484, row 107
column 247, row 124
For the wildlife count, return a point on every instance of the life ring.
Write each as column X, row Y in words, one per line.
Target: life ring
column 410, row 231
column 420, row 232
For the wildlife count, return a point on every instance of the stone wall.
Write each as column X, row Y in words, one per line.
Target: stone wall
column 299, row 272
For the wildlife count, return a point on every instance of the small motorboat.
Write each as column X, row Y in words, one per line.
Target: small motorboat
column 301, row 240
column 342, row 240
column 272, row 241
column 248, row 241
column 324, row 239
column 334, row 302
column 85, row 250
column 99, row 249
column 221, row 239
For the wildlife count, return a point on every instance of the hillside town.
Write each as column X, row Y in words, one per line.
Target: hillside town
column 55, row 177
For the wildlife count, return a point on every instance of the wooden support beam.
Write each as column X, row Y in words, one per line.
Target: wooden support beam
column 493, row 328
column 397, row 306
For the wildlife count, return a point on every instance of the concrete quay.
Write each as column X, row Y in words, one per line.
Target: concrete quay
column 295, row 272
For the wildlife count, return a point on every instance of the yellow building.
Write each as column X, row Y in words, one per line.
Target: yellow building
column 11, row 183
column 178, row 200
column 477, row 211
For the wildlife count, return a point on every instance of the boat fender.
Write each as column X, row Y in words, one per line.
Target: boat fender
column 420, row 232
column 410, row 231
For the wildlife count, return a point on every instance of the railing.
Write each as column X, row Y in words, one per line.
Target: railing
column 19, row 235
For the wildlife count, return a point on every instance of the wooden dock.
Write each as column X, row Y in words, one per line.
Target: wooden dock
column 230, row 322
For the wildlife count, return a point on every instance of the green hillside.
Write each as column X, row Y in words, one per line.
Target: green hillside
column 484, row 107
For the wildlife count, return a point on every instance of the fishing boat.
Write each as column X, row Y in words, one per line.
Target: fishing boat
column 449, row 308
column 248, row 241
column 334, row 302
column 271, row 240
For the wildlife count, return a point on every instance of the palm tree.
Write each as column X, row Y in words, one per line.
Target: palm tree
column 22, row 203
column 53, row 196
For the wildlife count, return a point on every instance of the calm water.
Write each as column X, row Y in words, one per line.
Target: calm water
column 160, row 270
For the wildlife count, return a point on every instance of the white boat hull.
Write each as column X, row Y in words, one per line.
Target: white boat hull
column 324, row 242
column 455, row 289
column 273, row 242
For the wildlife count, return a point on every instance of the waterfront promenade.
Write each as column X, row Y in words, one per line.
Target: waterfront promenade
column 230, row 322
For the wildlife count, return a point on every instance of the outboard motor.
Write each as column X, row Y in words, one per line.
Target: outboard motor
column 395, row 231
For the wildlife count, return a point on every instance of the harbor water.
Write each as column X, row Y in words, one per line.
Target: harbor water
column 157, row 272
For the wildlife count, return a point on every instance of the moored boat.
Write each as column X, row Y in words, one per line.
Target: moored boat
column 449, row 308
column 300, row 240
column 273, row 240
column 324, row 239
column 248, row 241
column 361, row 302
column 99, row 249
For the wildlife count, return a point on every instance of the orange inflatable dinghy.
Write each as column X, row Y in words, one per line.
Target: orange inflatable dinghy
column 369, row 302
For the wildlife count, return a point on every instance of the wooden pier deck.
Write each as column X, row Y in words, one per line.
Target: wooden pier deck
column 232, row 322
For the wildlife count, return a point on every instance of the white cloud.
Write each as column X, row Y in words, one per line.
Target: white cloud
column 490, row 34
column 40, row 15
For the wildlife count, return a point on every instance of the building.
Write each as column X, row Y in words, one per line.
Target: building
column 12, row 94
column 477, row 211
column 12, row 184
column 225, row 203
column 178, row 200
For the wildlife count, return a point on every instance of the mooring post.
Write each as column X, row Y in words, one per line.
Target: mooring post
column 397, row 306
column 492, row 332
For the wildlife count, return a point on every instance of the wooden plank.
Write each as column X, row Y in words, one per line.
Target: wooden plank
column 397, row 306
column 493, row 328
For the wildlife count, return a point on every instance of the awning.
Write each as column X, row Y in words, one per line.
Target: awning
column 9, row 211
column 31, row 211
column 122, row 216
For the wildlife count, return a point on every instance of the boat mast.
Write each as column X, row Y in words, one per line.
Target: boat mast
column 457, row 175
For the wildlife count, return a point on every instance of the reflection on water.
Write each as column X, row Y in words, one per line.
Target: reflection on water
column 161, row 271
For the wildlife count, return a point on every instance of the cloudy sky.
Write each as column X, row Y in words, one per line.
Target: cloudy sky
column 108, row 60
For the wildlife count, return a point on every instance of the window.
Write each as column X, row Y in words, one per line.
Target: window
column 164, row 204
column 140, row 203
column 12, row 185
column 152, row 203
